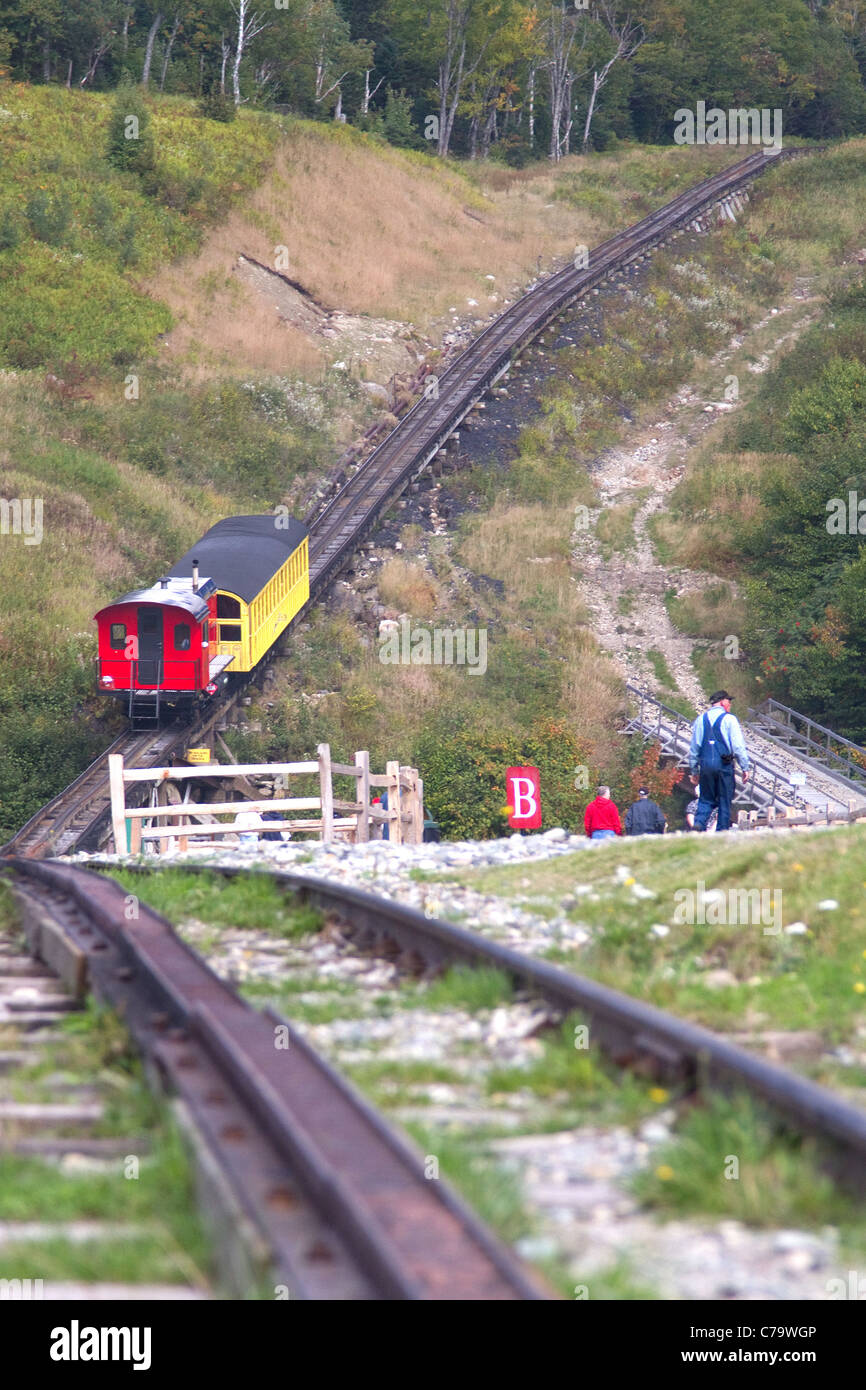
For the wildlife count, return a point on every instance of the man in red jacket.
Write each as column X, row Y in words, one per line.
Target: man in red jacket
column 601, row 819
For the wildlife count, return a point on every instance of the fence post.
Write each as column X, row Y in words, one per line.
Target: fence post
column 415, row 831
column 118, row 801
column 326, row 792
column 362, row 794
column 395, row 810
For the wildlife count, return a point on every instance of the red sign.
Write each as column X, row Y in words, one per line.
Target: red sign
column 524, row 798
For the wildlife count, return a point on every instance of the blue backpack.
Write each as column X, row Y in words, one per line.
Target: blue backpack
column 715, row 752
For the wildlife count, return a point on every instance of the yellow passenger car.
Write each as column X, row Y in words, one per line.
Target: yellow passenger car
column 261, row 568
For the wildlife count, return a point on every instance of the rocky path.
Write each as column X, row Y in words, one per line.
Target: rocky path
column 624, row 592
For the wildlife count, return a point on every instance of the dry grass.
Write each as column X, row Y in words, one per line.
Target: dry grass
column 707, row 536
column 814, row 232
column 714, row 612
column 527, row 547
column 406, row 586
column 424, row 243
column 615, row 528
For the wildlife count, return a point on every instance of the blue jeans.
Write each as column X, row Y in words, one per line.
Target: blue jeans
column 603, row 835
column 717, row 791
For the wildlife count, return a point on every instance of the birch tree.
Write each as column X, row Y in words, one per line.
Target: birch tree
column 148, row 48
column 626, row 35
column 566, row 31
column 251, row 23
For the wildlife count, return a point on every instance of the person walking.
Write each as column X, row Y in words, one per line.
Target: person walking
column 717, row 741
column 601, row 818
column 644, row 817
column 692, row 811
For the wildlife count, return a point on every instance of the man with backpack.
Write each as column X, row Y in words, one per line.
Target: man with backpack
column 717, row 740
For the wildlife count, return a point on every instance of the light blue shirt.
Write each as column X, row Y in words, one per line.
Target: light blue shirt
column 730, row 730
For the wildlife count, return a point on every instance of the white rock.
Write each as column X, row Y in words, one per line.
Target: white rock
column 536, row 1247
column 719, row 979
column 796, row 929
column 473, row 303
column 827, row 905
column 659, row 929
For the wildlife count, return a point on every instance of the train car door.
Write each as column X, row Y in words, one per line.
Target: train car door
column 150, row 644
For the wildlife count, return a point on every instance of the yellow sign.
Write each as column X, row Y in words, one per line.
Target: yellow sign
column 198, row 755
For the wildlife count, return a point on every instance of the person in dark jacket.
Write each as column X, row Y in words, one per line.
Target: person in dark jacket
column 644, row 817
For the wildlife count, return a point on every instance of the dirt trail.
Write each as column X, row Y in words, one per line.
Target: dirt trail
column 624, row 592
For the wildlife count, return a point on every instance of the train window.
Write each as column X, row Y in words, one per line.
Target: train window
column 230, row 632
column 227, row 607
column 118, row 636
column 181, row 637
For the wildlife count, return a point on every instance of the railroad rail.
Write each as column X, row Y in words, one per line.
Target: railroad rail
column 307, row 1187
column 423, row 431
column 79, row 814
column 812, row 743
column 631, row 1032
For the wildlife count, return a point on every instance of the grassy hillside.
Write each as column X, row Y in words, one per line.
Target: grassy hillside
column 77, row 233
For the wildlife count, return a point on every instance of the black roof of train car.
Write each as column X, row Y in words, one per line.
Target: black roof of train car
column 242, row 553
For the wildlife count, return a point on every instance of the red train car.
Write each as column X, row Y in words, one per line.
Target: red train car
column 155, row 647
column 171, row 645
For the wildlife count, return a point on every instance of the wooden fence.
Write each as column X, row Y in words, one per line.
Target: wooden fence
column 172, row 816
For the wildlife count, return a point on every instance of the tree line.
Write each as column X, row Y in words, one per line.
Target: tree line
column 512, row 79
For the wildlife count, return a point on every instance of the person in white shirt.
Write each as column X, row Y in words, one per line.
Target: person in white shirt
column 247, row 823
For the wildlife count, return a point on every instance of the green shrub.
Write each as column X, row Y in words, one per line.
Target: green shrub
column 828, row 406
column 48, row 218
column 11, row 230
column 464, row 770
column 130, row 139
column 216, row 106
column 53, row 307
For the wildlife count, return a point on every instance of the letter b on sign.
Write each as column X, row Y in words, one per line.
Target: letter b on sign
column 524, row 796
